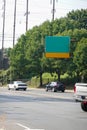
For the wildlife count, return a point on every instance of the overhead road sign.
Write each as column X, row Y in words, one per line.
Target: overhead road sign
column 57, row 46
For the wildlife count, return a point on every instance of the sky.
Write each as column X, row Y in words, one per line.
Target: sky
column 39, row 12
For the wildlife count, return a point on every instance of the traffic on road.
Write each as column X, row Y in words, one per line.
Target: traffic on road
column 36, row 109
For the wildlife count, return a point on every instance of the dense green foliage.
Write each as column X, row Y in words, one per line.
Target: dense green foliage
column 80, row 57
column 27, row 58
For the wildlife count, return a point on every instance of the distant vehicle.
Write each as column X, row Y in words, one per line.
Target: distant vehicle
column 16, row 85
column 55, row 86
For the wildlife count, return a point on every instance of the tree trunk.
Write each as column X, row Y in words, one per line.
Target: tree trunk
column 41, row 83
column 59, row 76
column 58, row 73
column 78, row 77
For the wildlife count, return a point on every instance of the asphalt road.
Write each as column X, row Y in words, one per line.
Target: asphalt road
column 36, row 109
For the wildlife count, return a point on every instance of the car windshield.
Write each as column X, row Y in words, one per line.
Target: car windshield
column 18, row 82
column 53, row 83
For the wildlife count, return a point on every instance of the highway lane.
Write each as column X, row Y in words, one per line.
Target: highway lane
column 41, row 110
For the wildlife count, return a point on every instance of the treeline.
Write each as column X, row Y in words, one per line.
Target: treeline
column 27, row 58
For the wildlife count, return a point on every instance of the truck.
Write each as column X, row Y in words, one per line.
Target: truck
column 80, row 94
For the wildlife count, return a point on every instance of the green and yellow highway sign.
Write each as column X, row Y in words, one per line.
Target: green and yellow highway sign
column 57, row 46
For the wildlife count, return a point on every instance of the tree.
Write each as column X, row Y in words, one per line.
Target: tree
column 0, row 59
column 80, row 57
column 28, row 54
column 18, row 60
column 80, row 16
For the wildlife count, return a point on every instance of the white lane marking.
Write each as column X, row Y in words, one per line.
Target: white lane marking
column 2, row 129
column 27, row 128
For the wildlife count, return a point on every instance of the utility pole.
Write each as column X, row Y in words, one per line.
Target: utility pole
column 26, row 15
column 53, row 10
column 3, row 30
column 14, row 22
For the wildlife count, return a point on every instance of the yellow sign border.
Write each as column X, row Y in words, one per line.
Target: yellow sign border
column 57, row 55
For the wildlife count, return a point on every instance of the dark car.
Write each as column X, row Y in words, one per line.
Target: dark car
column 55, row 86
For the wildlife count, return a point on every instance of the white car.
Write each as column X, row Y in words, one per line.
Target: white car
column 17, row 85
